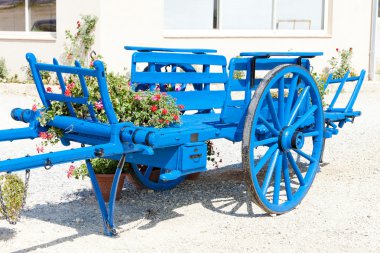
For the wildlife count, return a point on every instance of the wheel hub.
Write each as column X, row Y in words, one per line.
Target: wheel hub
column 290, row 139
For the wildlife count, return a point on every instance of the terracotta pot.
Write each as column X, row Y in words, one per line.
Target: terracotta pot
column 193, row 176
column 105, row 185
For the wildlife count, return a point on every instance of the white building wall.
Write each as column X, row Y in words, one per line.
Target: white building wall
column 14, row 47
column 129, row 22
column 142, row 23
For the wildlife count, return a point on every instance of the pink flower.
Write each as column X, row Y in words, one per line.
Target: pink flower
column 177, row 87
column 48, row 89
column 156, row 97
column 337, row 49
column 153, row 108
column 91, row 64
column 164, row 111
column 99, row 105
column 137, row 97
column 70, row 86
column 78, row 24
column 34, row 108
column 175, row 117
column 71, row 170
column 40, row 149
column 160, row 120
column 49, row 135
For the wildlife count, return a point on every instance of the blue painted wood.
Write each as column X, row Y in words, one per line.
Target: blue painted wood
column 345, row 114
column 179, row 77
column 172, row 150
column 163, row 49
column 169, row 58
column 271, row 54
column 284, row 136
column 199, row 100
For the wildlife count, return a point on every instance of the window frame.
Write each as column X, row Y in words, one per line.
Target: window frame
column 326, row 32
column 27, row 34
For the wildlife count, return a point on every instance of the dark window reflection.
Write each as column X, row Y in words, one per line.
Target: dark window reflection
column 42, row 15
column 12, row 15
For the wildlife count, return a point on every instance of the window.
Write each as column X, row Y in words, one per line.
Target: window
column 245, row 14
column 28, row 15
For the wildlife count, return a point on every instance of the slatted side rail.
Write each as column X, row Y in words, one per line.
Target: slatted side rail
column 47, row 98
column 203, row 98
column 342, row 82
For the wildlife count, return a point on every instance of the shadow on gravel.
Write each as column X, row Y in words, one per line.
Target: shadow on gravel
column 221, row 191
column 6, row 234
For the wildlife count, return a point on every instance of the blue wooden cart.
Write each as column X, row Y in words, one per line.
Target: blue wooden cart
column 278, row 116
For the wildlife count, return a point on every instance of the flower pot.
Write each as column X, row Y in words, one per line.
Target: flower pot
column 105, row 185
column 193, row 176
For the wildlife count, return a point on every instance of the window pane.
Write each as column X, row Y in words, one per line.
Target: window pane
column 300, row 14
column 12, row 15
column 189, row 14
column 42, row 15
column 245, row 14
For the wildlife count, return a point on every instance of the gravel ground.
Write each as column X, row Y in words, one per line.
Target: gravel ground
column 213, row 214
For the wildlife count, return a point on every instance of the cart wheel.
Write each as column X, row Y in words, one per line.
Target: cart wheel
column 150, row 177
column 284, row 119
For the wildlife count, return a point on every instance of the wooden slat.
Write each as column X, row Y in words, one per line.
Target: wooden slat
column 65, row 69
column 199, row 100
column 165, row 49
column 168, row 58
column 180, row 77
column 63, row 98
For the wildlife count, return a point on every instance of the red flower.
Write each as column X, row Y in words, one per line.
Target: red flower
column 48, row 89
column 153, row 108
column 34, row 108
column 160, row 120
column 78, row 24
column 164, row 111
column 181, row 107
column 167, row 122
column 68, row 93
column 43, row 135
column 337, row 49
column 175, row 117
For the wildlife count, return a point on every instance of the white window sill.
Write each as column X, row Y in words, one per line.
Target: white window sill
column 44, row 36
column 246, row 34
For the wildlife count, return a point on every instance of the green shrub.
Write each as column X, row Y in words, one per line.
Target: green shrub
column 13, row 190
column 3, row 70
